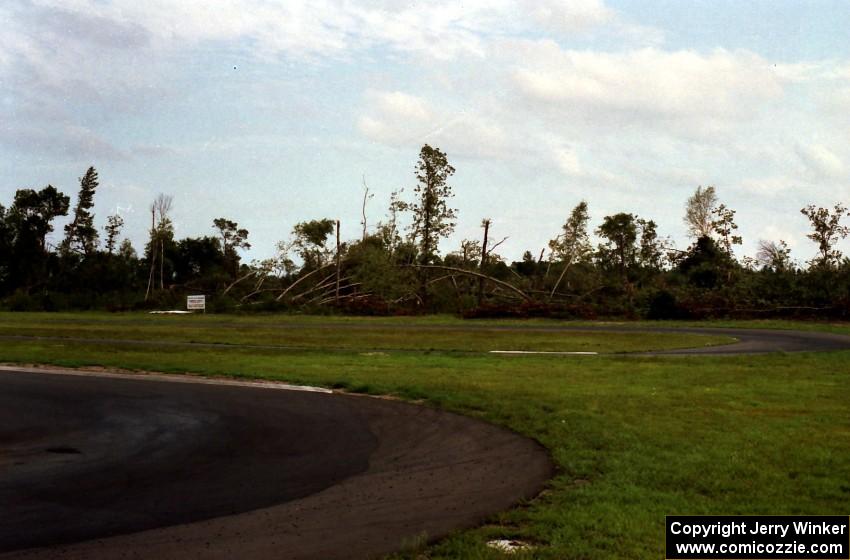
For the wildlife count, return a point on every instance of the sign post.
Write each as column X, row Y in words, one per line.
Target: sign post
column 194, row 303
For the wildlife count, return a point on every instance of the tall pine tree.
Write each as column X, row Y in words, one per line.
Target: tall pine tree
column 432, row 218
column 80, row 233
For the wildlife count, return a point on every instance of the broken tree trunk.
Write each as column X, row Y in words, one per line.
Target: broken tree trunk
column 337, row 260
column 473, row 273
column 483, row 263
column 308, row 275
column 237, row 281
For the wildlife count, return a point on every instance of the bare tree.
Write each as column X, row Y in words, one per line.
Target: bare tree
column 485, row 253
column 390, row 231
column 698, row 212
column 774, row 256
column 161, row 226
column 485, row 223
column 152, row 251
column 338, row 262
column 366, row 198
column 573, row 245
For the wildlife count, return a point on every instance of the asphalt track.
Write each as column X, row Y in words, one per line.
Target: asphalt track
column 108, row 467
column 122, row 467
column 753, row 341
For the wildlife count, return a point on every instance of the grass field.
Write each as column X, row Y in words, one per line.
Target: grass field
column 326, row 333
column 634, row 439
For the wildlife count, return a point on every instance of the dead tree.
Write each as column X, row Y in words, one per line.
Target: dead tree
column 337, row 259
column 485, row 252
column 366, row 197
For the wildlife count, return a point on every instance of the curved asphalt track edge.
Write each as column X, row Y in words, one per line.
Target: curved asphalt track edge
column 747, row 341
column 758, row 341
column 396, row 473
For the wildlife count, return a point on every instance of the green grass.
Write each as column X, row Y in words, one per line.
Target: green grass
column 278, row 319
column 634, row 439
column 363, row 335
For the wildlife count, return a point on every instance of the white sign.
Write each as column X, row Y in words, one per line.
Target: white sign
column 196, row 302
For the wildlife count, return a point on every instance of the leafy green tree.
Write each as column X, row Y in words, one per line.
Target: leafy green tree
column 374, row 268
column 114, row 223
column 29, row 221
column 33, row 212
column 619, row 251
column 528, row 266
column 651, row 249
column 5, row 250
column 126, row 250
column 232, row 238
column 200, row 263
column 827, row 231
column 311, row 239
column 573, row 244
column 724, row 226
column 467, row 256
column 80, row 233
column 706, row 264
column 432, row 217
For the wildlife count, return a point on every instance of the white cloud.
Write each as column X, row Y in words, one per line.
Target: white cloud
column 799, row 72
column 401, row 119
column 812, row 70
column 475, row 135
column 402, row 105
column 62, row 140
column 298, row 28
column 645, row 84
column 821, row 161
column 441, row 30
column 567, row 161
column 395, row 118
column 834, row 103
column 568, row 16
column 571, row 18
column 767, row 186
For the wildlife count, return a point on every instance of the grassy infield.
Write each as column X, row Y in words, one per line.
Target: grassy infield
column 634, row 438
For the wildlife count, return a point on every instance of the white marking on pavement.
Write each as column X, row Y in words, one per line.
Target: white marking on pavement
column 175, row 378
column 541, row 352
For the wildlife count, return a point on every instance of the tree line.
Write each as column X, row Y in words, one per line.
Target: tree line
column 396, row 266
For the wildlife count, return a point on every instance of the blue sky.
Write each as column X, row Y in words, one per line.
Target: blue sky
column 271, row 113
